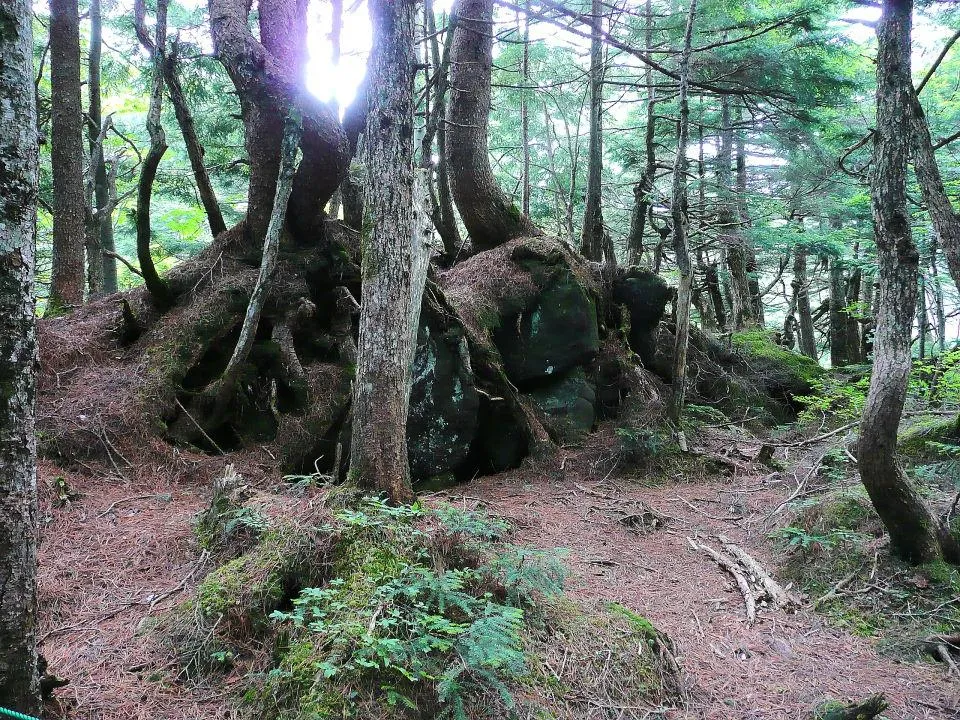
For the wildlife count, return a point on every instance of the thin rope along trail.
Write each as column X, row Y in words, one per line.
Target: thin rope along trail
column 6, row 712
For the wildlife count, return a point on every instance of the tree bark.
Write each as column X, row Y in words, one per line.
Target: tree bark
column 268, row 76
column 392, row 257
column 67, row 157
column 680, row 214
column 444, row 218
column 808, row 341
column 188, row 130
column 592, row 234
column 156, row 286
column 840, row 354
column 490, row 217
column 643, row 190
column 101, row 266
column 915, row 534
column 19, row 688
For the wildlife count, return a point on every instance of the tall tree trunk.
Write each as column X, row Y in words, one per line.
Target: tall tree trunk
column 753, row 281
column 101, row 265
column 644, row 188
column 444, row 218
column 839, row 349
column 490, row 217
column 188, row 130
column 394, row 261
column 67, row 158
column 915, row 534
column 854, row 343
column 525, row 112
column 591, row 236
column 19, row 688
column 808, row 341
column 730, row 233
column 679, row 212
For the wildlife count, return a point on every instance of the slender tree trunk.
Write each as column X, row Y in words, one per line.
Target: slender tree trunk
column 591, row 236
column 711, row 277
column 915, row 534
column 854, row 343
column 922, row 323
column 268, row 263
column 156, row 285
column 394, row 260
column 525, row 112
column 181, row 108
column 730, row 232
column 945, row 221
column 938, row 309
column 808, row 341
column 490, row 217
column 680, row 215
column 101, row 265
column 18, row 359
column 67, row 157
column 643, row 190
column 753, row 281
column 444, row 218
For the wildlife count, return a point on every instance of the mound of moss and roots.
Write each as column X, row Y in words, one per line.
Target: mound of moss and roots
column 410, row 612
column 837, row 552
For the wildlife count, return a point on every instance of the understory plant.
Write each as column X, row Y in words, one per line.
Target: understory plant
column 425, row 613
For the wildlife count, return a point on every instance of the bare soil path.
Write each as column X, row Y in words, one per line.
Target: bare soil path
column 778, row 669
column 108, row 555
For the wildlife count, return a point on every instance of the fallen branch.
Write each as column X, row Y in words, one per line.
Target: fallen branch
column 731, row 567
column 166, row 497
column 780, row 597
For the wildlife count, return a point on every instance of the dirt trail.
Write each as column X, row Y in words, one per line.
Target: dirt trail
column 778, row 669
column 100, row 572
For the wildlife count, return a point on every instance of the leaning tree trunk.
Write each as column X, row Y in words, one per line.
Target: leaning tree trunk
column 945, row 221
column 490, row 217
column 157, row 286
column 181, row 108
column 66, row 157
column 393, row 261
column 680, row 212
column 18, row 355
column 915, row 534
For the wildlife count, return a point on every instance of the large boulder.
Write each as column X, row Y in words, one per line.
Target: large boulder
column 644, row 295
column 444, row 402
column 555, row 333
column 569, row 404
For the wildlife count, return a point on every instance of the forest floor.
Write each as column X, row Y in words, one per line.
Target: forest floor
column 123, row 550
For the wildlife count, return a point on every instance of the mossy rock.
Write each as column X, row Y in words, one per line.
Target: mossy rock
column 444, row 403
column 645, row 296
column 557, row 332
column 569, row 404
